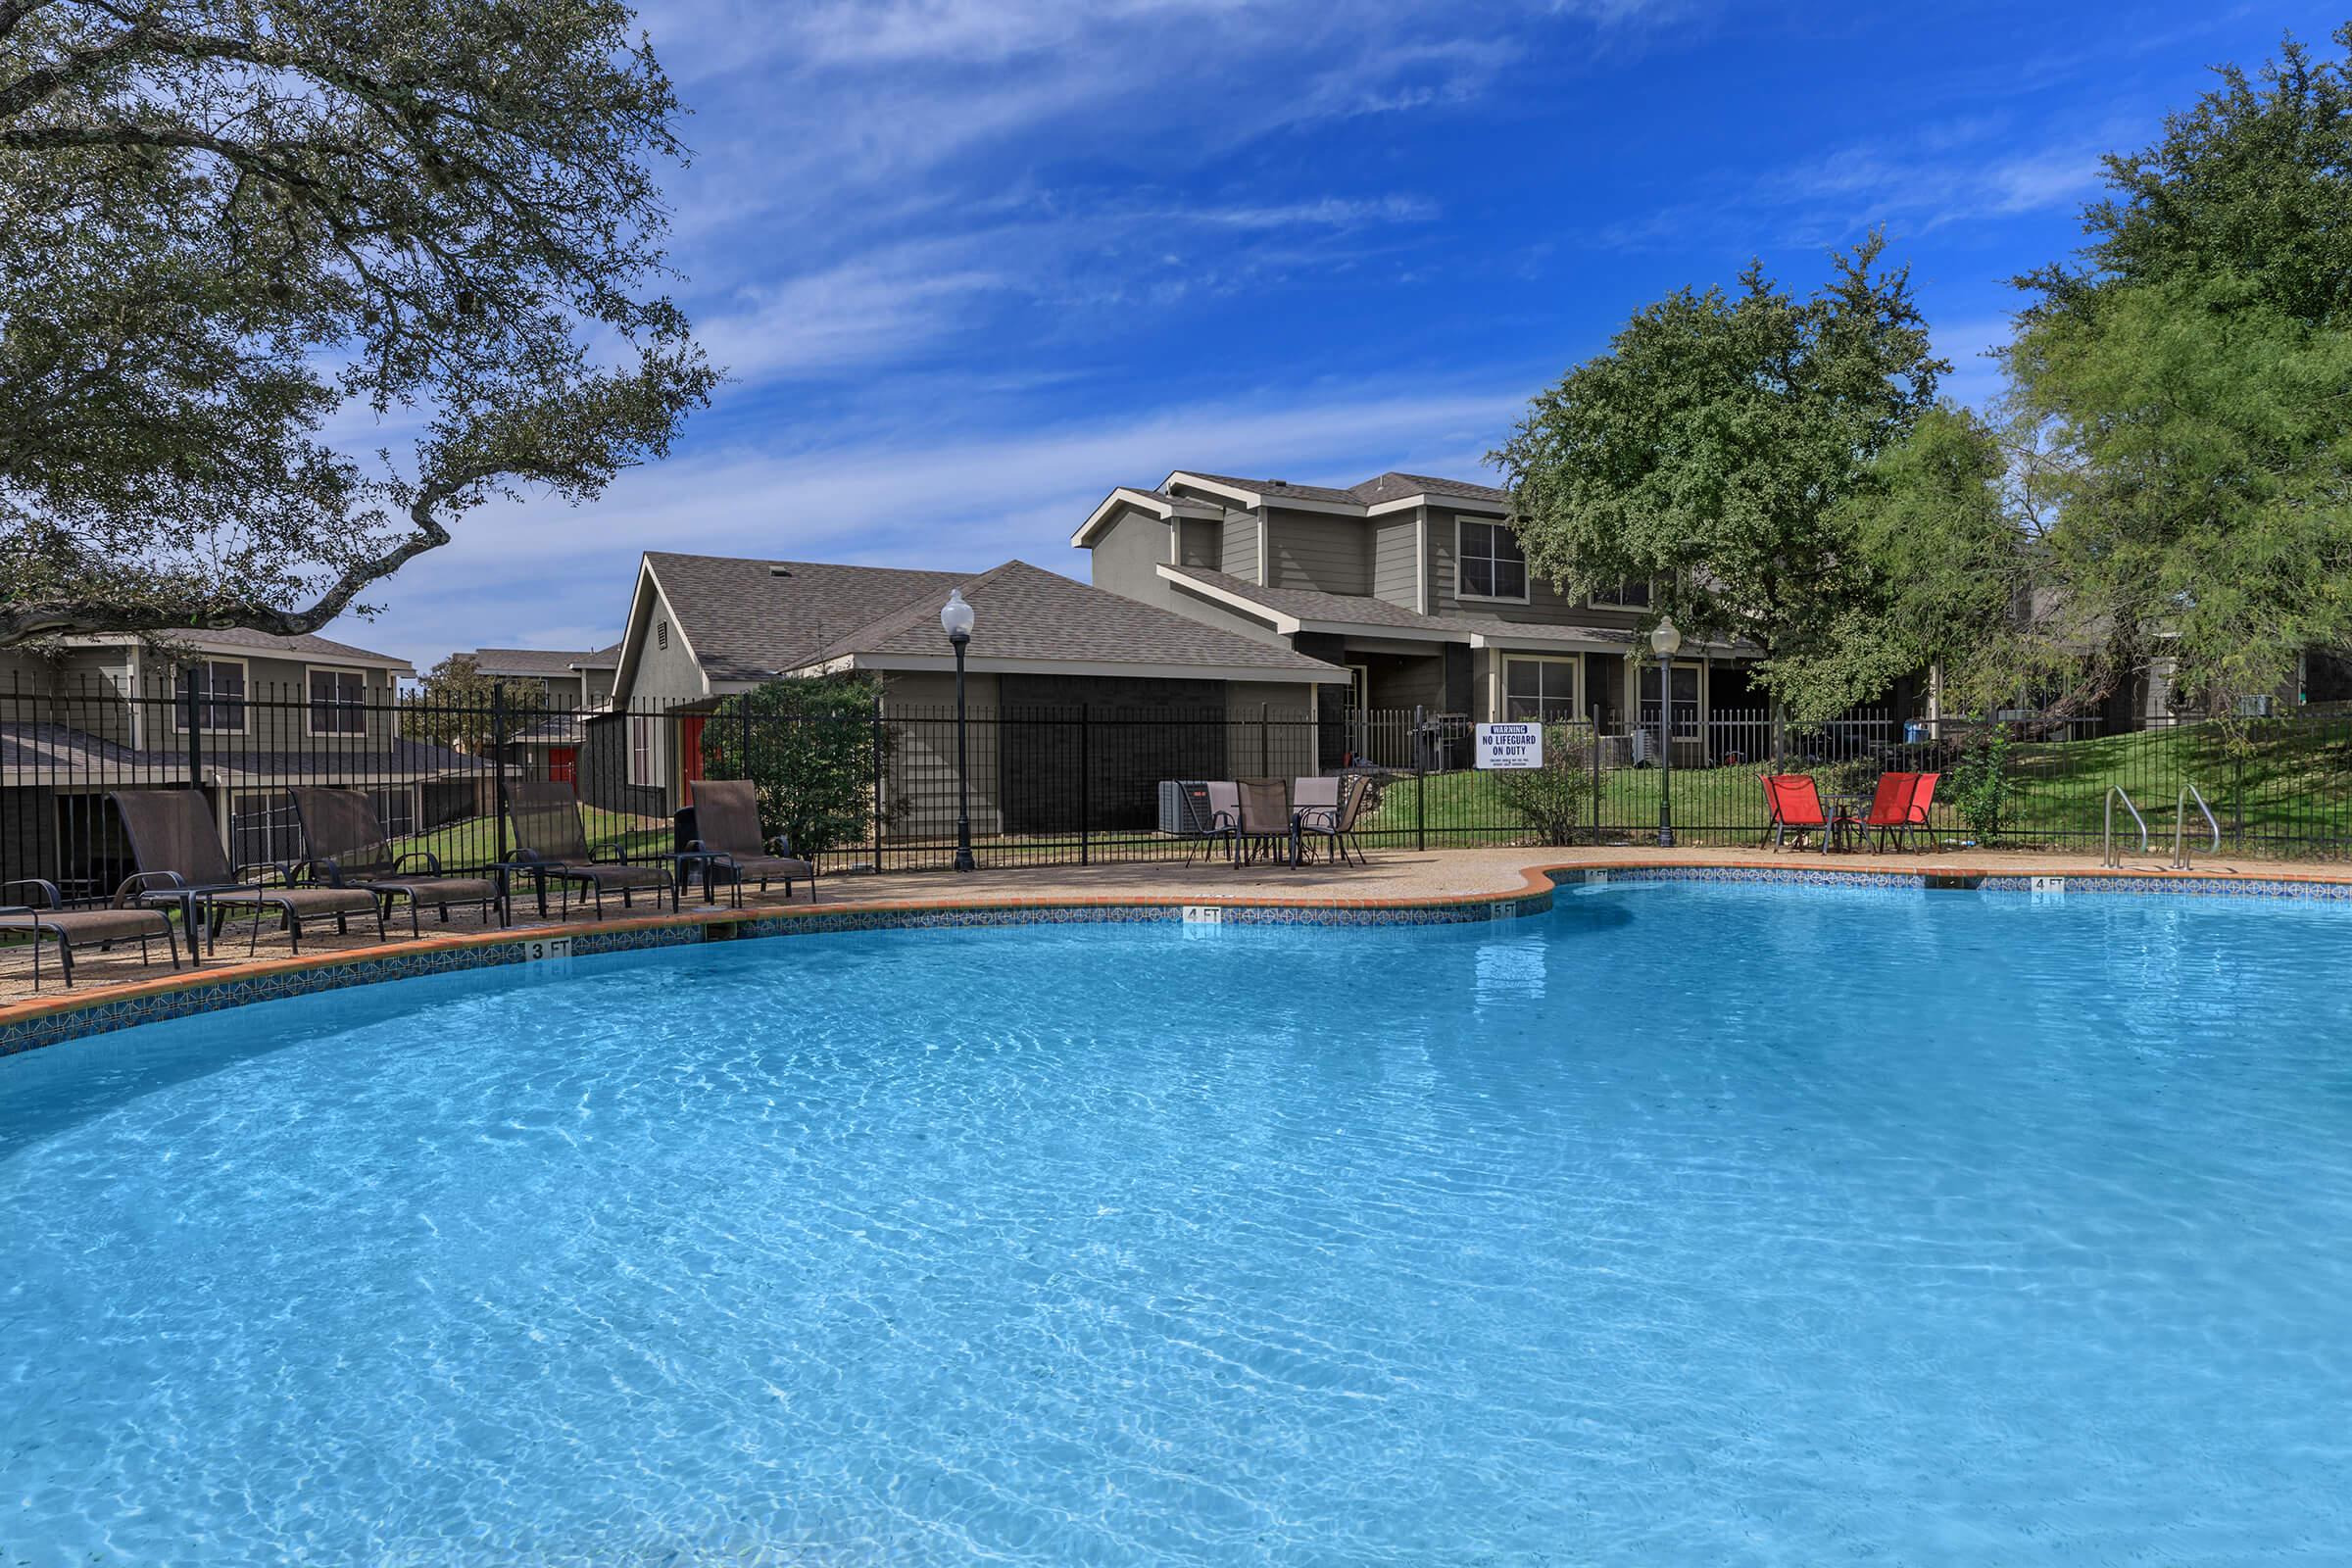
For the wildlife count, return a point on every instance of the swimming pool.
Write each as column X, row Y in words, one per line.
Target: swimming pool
column 1687, row 1224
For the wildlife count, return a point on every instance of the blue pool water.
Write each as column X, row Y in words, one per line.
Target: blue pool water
column 1684, row 1225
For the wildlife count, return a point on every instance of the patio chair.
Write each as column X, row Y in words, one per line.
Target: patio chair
column 1265, row 821
column 1214, row 813
column 1338, row 822
column 1793, row 804
column 1318, row 794
column 1923, row 801
column 1891, row 808
column 176, row 849
column 123, row 920
column 727, row 838
column 551, row 840
column 346, row 842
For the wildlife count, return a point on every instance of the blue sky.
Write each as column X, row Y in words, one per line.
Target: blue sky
column 974, row 263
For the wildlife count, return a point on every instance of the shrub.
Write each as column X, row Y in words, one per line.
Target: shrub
column 1977, row 782
column 815, row 751
column 1559, row 798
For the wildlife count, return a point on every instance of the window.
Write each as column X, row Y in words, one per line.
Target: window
column 1543, row 690
column 641, row 749
column 1489, row 563
column 1627, row 595
column 338, row 699
column 210, row 695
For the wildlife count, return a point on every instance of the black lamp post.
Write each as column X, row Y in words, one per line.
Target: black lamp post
column 956, row 619
column 1664, row 641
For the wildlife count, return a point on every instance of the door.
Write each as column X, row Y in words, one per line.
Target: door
column 690, row 752
column 562, row 764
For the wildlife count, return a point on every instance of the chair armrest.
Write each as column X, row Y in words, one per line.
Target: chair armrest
column 48, row 892
column 1317, row 818
column 781, row 846
column 432, row 861
column 135, row 885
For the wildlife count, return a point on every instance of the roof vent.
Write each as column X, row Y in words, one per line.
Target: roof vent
column 779, row 571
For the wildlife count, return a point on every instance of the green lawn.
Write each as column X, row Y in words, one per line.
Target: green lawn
column 2287, row 791
column 474, row 842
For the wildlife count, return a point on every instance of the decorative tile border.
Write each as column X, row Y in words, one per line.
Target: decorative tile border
column 48, row 1021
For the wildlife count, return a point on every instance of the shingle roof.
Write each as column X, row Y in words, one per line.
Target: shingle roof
column 1391, row 486
column 1022, row 612
column 64, row 757
column 265, row 642
column 543, row 660
column 1394, row 486
column 1308, row 604
column 747, row 619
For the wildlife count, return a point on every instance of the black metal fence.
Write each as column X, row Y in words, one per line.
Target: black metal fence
column 1084, row 785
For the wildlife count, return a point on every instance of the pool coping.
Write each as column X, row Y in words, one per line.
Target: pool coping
column 40, row 1021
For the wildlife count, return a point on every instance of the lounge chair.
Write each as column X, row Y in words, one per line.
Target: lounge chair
column 1793, row 804
column 346, row 842
column 1923, row 801
column 727, row 838
column 1213, row 813
column 178, row 850
column 1338, row 822
column 125, row 919
column 1265, row 821
column 550, row 841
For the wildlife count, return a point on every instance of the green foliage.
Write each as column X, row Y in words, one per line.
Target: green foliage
column 1711, row 450
column 1978, row 785
column 1559, row 798
column 2185, row 389
column 814, row 753
column 452, row 705
column 223, row 221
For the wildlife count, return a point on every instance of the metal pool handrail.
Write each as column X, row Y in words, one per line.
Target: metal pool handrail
column 2115, row 793
column 2181, row 851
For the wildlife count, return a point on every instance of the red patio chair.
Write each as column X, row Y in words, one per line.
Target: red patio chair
column 1921, row 798
column 1889, row 809
column 1792, row 803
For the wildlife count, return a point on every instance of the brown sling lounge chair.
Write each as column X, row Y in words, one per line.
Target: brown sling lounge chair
column 125, row 919
column 180, row 860
column 550, row 842
column 1338, row 822
column 348, row 847
column 726, row 829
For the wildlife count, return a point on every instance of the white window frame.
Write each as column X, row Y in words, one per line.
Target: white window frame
column 645, row 751
column 244, row 698
column 1525, row 579
column 1576, row 684
column 310, row 704
column 1647, row 668
column 1595, row 602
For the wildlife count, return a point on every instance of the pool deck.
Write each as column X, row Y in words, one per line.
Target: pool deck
column 1393, row 879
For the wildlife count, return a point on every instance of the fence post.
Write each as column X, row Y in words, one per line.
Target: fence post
column 195, row 732
column 498, row 761
column 1085, row 782
column 1263, row 709
column 1594, row 711
column 877, row 751
column 746, row 715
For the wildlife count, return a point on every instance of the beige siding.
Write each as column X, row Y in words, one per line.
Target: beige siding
column 1307, row 550
column 1396, row 546
column 1544, row 605
column 920, row 782
column 1203, row 542
column 1240, row 546
column 1127, row 556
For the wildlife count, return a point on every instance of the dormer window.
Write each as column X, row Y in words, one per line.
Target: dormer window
column 1489, row 563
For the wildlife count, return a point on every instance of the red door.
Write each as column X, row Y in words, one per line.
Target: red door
column 562, row 764
column 690, row 750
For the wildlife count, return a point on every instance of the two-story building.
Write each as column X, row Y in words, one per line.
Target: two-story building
column 1414, row 584
column 566, row 682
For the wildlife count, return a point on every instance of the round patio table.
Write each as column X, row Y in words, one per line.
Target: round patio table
column 1846, row 830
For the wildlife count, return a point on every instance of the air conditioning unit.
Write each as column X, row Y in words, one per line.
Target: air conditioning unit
column 1173, row 817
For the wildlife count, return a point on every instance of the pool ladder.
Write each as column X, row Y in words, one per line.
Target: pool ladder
column 2115, row 793
column 2183, row 851
column 2181, row 848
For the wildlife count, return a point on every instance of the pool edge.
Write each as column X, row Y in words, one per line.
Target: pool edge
column 51, row 1020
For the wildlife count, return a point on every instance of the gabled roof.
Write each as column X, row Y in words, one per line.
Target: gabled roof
column 1026, row 615
column 745, row 619
column 238, row 642
column 1191, row 492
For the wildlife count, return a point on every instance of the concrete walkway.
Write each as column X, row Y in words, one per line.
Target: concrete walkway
column 1393, row 876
